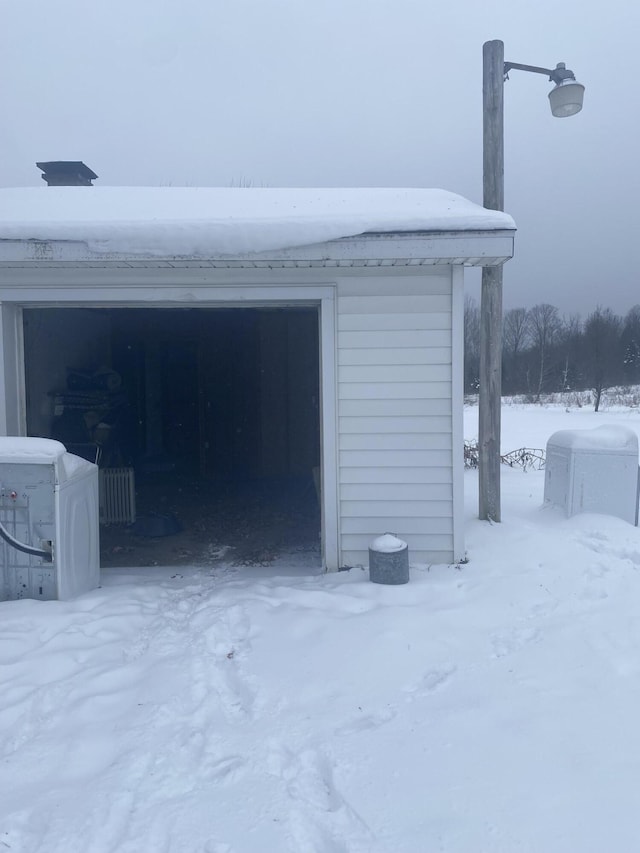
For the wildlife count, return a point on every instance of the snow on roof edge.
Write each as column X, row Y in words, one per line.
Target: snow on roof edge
column 162, row 221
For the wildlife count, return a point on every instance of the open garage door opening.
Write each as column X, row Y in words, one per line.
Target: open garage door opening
column 215, row 412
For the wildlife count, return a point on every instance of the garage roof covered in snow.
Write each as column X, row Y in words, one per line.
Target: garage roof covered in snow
column 230, row 222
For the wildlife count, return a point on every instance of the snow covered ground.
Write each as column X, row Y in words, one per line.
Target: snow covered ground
column 488, row 707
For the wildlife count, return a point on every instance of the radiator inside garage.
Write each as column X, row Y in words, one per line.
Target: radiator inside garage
column 206, row 420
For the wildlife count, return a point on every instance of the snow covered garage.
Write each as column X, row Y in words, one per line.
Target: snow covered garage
column 304, row 340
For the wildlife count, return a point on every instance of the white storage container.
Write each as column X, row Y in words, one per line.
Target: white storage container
column 48, row 505
column 593, row 470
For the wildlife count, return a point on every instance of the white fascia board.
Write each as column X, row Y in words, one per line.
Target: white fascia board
column 474, row 247
column 443, row 246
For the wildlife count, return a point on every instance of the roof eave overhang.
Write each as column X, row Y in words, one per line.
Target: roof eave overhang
column 471, row 247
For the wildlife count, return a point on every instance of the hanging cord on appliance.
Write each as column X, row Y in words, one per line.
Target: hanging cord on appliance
column 26, row 549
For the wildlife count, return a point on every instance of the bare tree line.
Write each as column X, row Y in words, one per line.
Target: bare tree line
column 545, row 352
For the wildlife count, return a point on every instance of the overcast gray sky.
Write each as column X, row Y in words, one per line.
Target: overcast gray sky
column 346, row 93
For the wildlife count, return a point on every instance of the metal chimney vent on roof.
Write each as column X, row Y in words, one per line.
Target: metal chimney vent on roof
column 67, row 173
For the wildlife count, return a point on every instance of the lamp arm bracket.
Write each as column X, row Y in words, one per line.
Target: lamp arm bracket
column 556, row 75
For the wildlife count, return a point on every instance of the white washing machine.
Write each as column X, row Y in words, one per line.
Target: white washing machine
column 49, row 521
column 593, row 470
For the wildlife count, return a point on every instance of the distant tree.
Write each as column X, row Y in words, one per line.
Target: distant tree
column 471, row 345
column 631, row 345
column 515, row 337
column 545, row 325
column 569, row 349
column 602, row 339
column 542, row 351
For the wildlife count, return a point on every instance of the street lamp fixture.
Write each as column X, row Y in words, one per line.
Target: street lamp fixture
column 566, row 96
column 565, row 100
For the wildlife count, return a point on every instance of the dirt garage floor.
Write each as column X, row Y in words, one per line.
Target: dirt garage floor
column 244, row 524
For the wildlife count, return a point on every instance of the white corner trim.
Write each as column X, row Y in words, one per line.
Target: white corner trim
column 12, row 398
column 329, row 447
column 457, row 407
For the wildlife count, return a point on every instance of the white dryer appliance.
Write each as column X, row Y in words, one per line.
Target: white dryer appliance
column 49, row 527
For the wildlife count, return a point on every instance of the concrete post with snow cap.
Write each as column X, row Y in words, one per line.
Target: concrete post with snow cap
column 388, row 560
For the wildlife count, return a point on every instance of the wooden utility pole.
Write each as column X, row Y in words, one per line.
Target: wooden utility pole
column 490, row 391
column 565, row 100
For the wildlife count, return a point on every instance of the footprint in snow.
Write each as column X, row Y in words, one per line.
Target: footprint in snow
column 507, row 642
column 228, row 769
column 217, row 847
column 308, row 777
column 319, row 818
column 432, row 680
column 366, row 722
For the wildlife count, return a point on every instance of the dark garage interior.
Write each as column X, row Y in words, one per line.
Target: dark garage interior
column 214, row 412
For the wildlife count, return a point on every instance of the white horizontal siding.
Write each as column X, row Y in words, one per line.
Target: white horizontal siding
column 395, row 405
column 396, row 441
column 430, row 280
column 405, row 407
column 376, row 525
column 395, row 458
column 394, row 373
column 394, row 390
column 395, row 474
column 402, row 323
column 420, row 510
column 392, row 303
column 396, row 491
column 406, row 356
column 397, row 424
